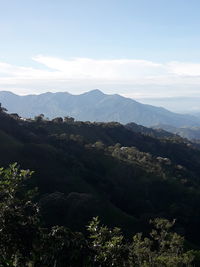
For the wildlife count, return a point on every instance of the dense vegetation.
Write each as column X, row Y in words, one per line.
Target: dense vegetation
column 24, row 241
column 83, row 170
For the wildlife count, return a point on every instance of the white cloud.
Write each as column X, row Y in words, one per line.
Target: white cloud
column 184, row 68
column 86, row 68
column 134, row 78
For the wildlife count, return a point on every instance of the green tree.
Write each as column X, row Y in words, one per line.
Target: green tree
column 57, row 120
column 69, row 119
column 163, row 248
column 39, row 118
column 23, row 239
column 107, row 244
column 19, row 218
column 60, row 247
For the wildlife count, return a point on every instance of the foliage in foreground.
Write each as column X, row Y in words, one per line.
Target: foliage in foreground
column 25, row 242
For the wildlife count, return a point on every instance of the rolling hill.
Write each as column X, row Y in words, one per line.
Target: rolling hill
column 125, row 177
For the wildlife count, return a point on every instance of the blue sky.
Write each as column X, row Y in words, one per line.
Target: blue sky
column 141, row 49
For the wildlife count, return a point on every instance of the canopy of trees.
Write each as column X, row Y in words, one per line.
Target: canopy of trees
column 24, row 241
column 83, row 170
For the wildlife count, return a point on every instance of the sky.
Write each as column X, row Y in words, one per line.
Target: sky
column 148, row 50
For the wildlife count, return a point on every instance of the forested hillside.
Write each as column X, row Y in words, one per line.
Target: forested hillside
column 26, row 241
column 88, row 169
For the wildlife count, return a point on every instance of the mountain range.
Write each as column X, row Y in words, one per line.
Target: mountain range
column 94, row 106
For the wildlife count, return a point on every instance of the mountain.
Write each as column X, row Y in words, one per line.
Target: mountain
column 93, row 106
column 84, row 169
column 179, row 104
column 197, row 114
column 191, row 133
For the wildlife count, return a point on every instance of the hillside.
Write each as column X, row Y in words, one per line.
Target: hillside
column 154, row 132
column 88, row 169
column 93, row 106
column 191, row 133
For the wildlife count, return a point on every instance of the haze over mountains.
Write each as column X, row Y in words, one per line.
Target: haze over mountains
column 179, row 104
column 94, row 106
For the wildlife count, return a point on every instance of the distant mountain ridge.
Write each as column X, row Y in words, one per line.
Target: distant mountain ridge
column 93, row 106
column 191, row 133
column 153, row 132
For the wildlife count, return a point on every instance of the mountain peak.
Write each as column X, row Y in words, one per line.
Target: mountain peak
column 8, row 93
column 95, row 92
